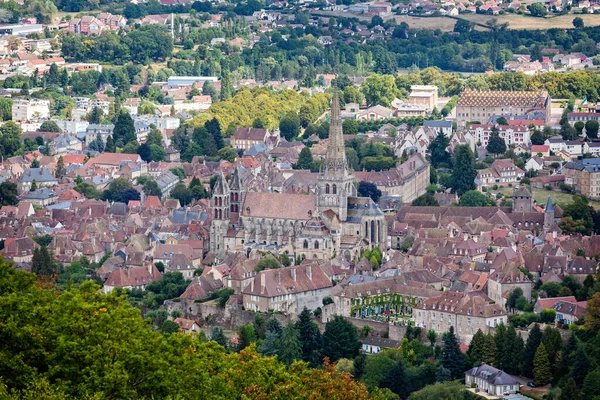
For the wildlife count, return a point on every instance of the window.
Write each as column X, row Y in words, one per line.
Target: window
column 327, row 188
column 334, row 189
column 305, row 244
column 316, row 244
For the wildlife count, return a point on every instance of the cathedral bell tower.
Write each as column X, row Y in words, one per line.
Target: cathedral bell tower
column 335, row 181
column 220, row 205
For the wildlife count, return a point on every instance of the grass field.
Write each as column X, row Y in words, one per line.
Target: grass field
column 442, row 23
column 525, row 22
column 541, row 196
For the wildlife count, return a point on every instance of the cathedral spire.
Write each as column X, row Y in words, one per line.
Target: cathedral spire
column 335, row 158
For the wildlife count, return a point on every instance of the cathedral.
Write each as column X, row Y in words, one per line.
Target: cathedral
column 330, row 222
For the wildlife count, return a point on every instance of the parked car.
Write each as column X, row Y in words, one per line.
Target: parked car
column 531, row 384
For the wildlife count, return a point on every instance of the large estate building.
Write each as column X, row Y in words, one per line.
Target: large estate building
column 331, row 221
column 486, row 106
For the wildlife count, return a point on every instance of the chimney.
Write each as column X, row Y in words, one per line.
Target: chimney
column 309, row 272
column 278, row 276
column 262, row 282
column 293, row 273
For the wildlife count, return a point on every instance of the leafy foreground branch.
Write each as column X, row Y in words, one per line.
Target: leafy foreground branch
column 82, row 343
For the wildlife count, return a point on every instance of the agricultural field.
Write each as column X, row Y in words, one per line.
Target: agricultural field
column 525, row 22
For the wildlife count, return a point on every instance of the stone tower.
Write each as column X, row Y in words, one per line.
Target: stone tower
column 220, row 205
column 238, row 192
column 548, row 215
column 522, row 199
column 335, row 181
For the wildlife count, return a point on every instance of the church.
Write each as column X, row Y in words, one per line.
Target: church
column 330, row 222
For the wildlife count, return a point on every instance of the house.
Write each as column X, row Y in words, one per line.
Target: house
column 166, row 182
column 19, row 250
column 374, row 344
column 483, row 105
column 542, row 149
column 444, row 126
column 569, row 312
column 426, row 95
column 466, row 312
column 41, row 176
column 375, row 113
column 543, row 304
column 131, row 278
column 491, row 380
column 287, row 290
column 41, row 197
column 501, row 172
column 535, row 163
column 188, row 326
column 30, row 110
column 245, row 138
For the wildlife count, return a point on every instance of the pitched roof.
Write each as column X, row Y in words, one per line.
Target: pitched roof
column 276, row 205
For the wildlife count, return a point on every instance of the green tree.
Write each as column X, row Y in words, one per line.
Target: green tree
column 496, row 144
column 310, row 338
column 305, row 160
column 42, row 263
column 350, row 126
column 154, row 137
column 432, row 337
column 439, row 153
column 49, row 126
column 537, row 137
column 213, row 126
column 182, row 193
column 537, row 10
column 124, row 130
column 548, row 316
column 581, row 367
column 289, row 126
column 290, row 348
column 116, row 189
column 8, row 194
column 10, row 139
column 95, row 116
column 542, row 373
column 581, row 217
column 60, row 170
column 591, row 385
column 218, row 336
column 369, row 189
column 340, row 339
column 591, row 129
column 463, row 173
column 227, row 153
column 426, row 200
column 474, row 198
column 246, row 336
column 592, row 319
column 151, row 188
column 511, row 302
column 452, row 358
column 380, row 89
column 578, row 22
column 569, row 391
column 110, row 145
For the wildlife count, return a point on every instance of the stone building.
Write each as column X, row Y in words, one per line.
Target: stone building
column 466, row 312
column 331, row 221
column 487, row 105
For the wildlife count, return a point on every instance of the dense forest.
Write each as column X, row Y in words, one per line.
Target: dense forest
column 82, row 343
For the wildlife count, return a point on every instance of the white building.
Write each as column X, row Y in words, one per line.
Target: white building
column 73, row 126
column 491, row 380
column 30, row 110
column 511, row 134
